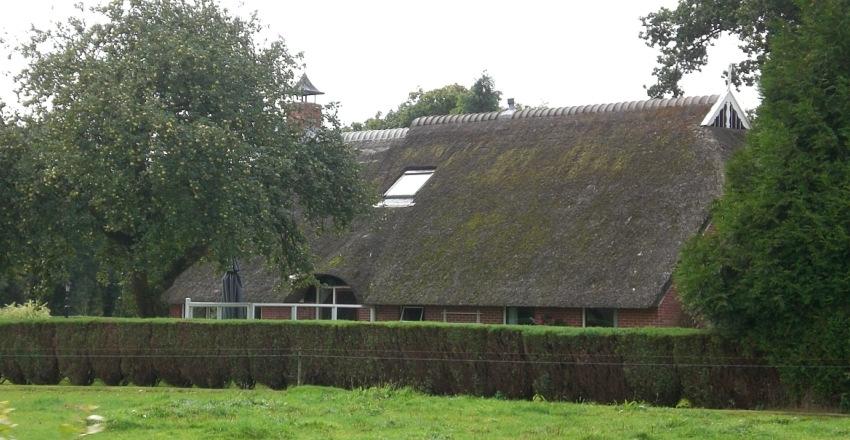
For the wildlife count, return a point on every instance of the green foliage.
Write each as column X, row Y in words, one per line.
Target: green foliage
column 161, row 134
column 11, row 241
column 775, row 268
column 683, row 35
column 450, row 99
column 482, row 96
column 656, row 366
column 28, row 310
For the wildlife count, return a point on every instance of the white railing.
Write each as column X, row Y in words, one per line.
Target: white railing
column 251, row 308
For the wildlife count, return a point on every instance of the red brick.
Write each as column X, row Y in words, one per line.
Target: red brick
column 668, row 314
column 175, row 311
column 558, row 316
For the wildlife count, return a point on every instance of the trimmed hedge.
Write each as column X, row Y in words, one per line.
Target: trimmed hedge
column 661, row 366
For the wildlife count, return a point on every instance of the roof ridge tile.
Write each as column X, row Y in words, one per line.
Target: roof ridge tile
column 374, row 135
column 549, row 112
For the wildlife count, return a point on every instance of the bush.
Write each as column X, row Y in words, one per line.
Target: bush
column 28, row 310
column 774, row 269
column 657, row 366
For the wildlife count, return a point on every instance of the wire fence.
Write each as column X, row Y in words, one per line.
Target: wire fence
column 567, row 359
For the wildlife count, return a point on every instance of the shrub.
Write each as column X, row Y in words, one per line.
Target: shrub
column 660, row 367
column 28, row 310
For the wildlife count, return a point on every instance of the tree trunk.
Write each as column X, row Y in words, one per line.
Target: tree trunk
column 147, row 298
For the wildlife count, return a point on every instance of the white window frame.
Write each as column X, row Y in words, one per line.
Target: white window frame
column 333, row 302
column 402, row 200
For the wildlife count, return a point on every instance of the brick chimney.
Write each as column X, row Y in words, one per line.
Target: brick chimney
column 304, row 113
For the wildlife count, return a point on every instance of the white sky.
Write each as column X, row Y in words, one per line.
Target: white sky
column 368, row 54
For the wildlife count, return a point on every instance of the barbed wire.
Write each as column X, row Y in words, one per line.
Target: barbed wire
column 430, row 359
column 176, row 350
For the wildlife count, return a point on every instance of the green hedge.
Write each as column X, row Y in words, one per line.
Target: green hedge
column 661, row 366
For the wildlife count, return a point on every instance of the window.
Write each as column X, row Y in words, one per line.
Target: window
column 519, row 315
column 204, row 312
column 401, row 193
column 332, row 295
column 600, row 317
column 412, row 313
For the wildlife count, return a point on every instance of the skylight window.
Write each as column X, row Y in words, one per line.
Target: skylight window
column 401, row 193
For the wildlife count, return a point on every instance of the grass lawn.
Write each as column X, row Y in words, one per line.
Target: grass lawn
column 315, row 412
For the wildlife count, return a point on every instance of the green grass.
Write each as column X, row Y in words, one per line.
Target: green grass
column 328, row 413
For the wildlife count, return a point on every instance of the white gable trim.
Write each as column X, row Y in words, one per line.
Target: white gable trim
column 726, row 98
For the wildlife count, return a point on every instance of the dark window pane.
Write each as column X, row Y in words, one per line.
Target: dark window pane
column 520, row 315
column 345, row 298
column 325, row 313
column 346, row 314
column 411, row 313
column 600, row 318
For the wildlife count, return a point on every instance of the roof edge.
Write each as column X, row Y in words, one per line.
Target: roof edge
column 625, row 106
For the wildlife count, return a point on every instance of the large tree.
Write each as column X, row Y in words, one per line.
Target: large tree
column 161, row 134
column 775, row 268
column 11, row 151
column 683, row 35
column 450, row 99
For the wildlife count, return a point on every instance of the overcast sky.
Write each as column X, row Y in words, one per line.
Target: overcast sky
column 367, row 55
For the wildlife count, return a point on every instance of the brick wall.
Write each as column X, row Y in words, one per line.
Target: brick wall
column 275, row 312
column 387, row 313
column 304, row 313
column 364, row 314
column 175, row 311
column 668, row 313
column 559, row 316
column 307, row 114
column 454, row 314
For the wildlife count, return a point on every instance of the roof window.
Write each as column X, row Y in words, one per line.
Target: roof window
column 401, row 193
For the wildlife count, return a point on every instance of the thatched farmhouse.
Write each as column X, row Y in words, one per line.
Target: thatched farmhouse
column 572, row 215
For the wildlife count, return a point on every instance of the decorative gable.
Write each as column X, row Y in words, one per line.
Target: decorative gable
column 726, row 113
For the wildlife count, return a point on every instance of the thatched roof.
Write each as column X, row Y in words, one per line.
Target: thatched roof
column 573, row 207
column 202, row 282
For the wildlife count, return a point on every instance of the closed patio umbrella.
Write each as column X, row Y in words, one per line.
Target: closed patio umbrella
column 231, row 291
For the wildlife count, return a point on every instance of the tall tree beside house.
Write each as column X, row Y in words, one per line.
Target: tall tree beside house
column 22, row 244
column 161, row 135
column 776, row 267
column 11, row 149
column 447, row 100
column 482, row 96
column 683, row 34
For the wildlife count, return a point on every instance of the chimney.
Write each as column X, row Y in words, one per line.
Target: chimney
column 304, row 113
column 509, row 112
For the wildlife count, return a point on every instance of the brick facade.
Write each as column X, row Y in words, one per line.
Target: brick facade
column 275, row 312
column 307, row 114
column 558, row 316
column 668, row 314
column 305, row 313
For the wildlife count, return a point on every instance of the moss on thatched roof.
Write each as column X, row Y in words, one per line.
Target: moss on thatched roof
column 556, row 209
